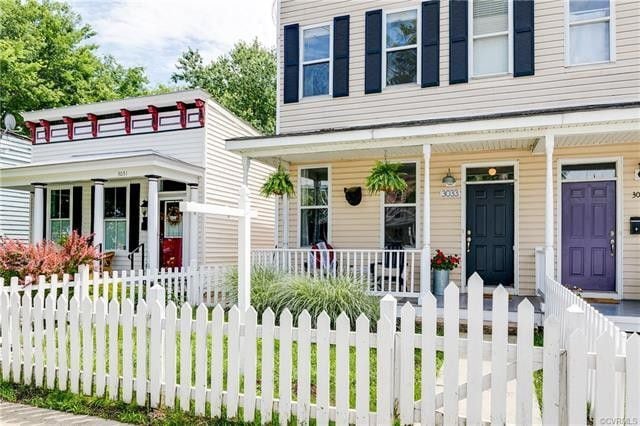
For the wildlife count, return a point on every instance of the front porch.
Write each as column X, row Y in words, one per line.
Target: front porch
column 489, row 189
column 128, row 203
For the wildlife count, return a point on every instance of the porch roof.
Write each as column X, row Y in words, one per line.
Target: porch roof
column 118, row 165
column 588, row 125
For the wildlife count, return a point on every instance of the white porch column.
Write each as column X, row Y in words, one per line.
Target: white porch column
column 244, row 242
column 285, row 217
column 153, row 226
column 193, row 233
column 98, row 213
column 425, row 255
column 548, row 211
column 38, row 213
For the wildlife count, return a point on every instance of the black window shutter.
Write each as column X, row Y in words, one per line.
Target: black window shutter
column 523, row 43
column 93, row 198
column 44, row 214
column 291, row 62
column 134, row 215
column 341, row 56
column 458, row 41
column 430, row 72
column 77, row 210
column 373, row 52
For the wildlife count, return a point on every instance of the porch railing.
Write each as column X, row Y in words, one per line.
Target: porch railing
column 395, row 272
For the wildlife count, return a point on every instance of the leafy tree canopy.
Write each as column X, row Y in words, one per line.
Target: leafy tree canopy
column 243, row 81
column 47, row 60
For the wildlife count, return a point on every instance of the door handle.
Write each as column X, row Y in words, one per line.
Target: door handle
column 468, row 241
column 612, row 243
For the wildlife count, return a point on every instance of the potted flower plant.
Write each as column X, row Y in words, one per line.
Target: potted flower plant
column 386, row 177
column 278, row 183
column 441, row 264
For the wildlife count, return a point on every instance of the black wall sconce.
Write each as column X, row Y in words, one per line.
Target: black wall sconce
column 143, row 210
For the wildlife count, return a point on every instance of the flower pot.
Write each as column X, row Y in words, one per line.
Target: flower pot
column 440, row 281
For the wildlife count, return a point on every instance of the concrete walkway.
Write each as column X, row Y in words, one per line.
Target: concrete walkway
column 17, row 414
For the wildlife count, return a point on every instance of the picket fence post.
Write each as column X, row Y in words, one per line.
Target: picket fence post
column 573, row 321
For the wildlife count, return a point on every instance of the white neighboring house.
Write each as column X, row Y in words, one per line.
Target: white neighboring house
column 119, row 169
column 15, row 149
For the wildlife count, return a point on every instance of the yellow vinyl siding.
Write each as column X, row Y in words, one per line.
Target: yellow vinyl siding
column 553, row 84
column 360, row 227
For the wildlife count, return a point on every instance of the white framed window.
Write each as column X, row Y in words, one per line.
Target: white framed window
column 115, row 218
column 59, row 213
column 316, row 51
column 490, row 28
column 589, row 32
column 314, row 193
column 399, row 210
column 400, row 36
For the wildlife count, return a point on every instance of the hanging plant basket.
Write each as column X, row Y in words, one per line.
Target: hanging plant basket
column 278, row 183
column 386, row 177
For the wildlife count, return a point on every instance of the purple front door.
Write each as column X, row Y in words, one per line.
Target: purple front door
column 588, row 235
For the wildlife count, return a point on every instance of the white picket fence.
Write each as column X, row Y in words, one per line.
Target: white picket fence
column 395, row 272
column 75, row 345
column 558, row 301
column 202, row 284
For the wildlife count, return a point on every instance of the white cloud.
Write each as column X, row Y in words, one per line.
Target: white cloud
column 153, row 33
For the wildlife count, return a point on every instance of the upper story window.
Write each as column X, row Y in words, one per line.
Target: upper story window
column 490, row 38
column 401, row 47
column 115, row 218
column 60, row 214
column 589, row 31
column 316, row 60
column 314, row 205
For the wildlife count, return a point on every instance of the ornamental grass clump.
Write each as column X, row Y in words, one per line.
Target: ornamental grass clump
column 333, row 295
column 385, row 177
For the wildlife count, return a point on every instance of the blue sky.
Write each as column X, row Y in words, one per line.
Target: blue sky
column 153, row 33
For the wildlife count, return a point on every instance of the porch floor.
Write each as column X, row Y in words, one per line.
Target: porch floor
column 624, row 313
column 514, row 301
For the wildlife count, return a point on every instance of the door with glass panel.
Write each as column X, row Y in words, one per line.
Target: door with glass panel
column 170, row 234
column 490, row 224
column 589, row 226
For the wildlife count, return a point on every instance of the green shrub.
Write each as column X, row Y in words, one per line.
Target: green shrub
column 276, row 290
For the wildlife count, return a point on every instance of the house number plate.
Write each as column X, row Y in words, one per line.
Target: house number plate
column 123, row 173
column 449, row 193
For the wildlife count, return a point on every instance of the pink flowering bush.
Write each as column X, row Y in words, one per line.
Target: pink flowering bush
column 18, row 259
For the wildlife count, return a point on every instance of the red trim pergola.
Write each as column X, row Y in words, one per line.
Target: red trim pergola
column 47, row 130
column 32, row 130
column 182, row 107
column 69, row 122
column 200, row 104
column 127, row 120
column 94, row 124
column 154, row 117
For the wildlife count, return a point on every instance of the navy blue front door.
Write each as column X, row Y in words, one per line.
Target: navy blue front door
column 489, row 232
column 588, row 235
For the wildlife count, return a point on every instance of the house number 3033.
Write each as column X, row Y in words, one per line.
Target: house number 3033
column 123, row 173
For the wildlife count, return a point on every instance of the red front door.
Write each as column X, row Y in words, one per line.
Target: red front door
column 170, row 234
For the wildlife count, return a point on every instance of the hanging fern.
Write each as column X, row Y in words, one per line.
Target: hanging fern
column 386, row 177
column 278, row 183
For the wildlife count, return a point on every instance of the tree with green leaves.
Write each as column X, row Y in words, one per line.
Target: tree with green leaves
column 243, row 81
column 47, row 60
